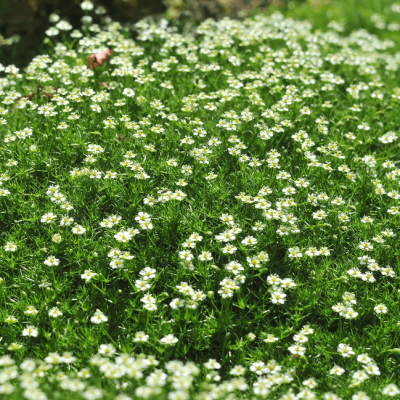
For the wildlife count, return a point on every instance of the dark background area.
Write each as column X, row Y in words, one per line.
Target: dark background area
column 29, row 19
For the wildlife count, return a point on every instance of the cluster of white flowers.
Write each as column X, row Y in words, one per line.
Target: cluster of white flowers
column 167, row 195
column 346, row 309
column 192, row 297
column 118, row 258
column 3, row 178
column 149, row 302
column 229, row 286
column 373, row 267
column 284, row 141
column 146, row 275
column 299, row 339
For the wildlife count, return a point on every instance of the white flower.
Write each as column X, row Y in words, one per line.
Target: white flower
column 123, row 236
column 4, row 192
column 261, row 387
column 300, row 338
column 234, row 60
column 380, row 309
column 78, row 230
column 10, row 246
column 238, row 370
column 54, row 18
column 185, row 255
column 306, row 330
column 169, row 340
column 312, row 252
column 360, row 396
column 141, row 337
column 310, row 383
column 297, row 350
column 31, row 311
column 142, row 285
column 249, row 241
column 51, row 261
column 56, row 238
column 150, row 307
column 98, row 317
column 345, row 350
column 367, row 220
column 64, row 26
column 271, row 338
column 177, row 303
column 372, row 369
column 55, row 312
column 52, row 31
column 148, row 299
column 48, row 218
column 212, row 364
column 146, row 225
column 278, row 297
column 87, row 5
column 88, row 275
column 30, row 331
column 321, row 214
column 336, row 370
column 148, row 273
column 11, row 319
column 117, row 263
column 107, row 350
column 110, row 175
column 128, row 92
column 364, row 358
column 205, row 256
column 366, row 246
column 294, row 252
column 68, row 358
column 92, row 393
column 391, row 390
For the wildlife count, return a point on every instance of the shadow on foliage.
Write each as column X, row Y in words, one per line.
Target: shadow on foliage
column 23, row 22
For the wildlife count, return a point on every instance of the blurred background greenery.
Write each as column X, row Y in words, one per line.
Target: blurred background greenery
column 23, row 22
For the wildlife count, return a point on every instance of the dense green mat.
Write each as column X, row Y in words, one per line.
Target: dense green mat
column 203, row 213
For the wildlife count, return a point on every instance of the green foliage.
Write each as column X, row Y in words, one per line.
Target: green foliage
column 208, row 215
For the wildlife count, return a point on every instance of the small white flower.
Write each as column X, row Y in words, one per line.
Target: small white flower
column 205, row 256
column 185, row 255
column 88, row 275
column 48, row 218
column 249, row 241
column 55, row 312
column 169, row 340
column 30, row 331
column 98, row 317
column 177, row 303
column 87, row 5
column 270, row 338
column 336, row 370
column 141, row 337
column 51, row 261
column 78, row 230
column 297, row 350
column 345, row 350
column 380, row 309
column 107, row 350
column 10, row 246
column 212, row 364
column 391, row 390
